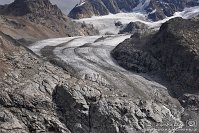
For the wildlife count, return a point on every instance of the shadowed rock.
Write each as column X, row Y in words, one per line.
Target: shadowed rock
column 173, row 50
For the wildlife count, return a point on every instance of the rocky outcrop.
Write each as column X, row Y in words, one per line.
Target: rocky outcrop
column 176, row 47
column 130, row 55
column 156, row 9
column 173, row 50
column 135, row 27
column 33, row 20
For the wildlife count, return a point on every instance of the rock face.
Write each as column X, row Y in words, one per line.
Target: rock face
column 34, row 20
column 173, row 50
column 156, row 9
column 177, row 48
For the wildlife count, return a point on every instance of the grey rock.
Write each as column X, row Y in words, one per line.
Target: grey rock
column 118, row 24
column 135, row 27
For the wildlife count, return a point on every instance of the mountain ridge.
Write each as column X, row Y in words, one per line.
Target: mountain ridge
column 33, row 20
column 155, row 9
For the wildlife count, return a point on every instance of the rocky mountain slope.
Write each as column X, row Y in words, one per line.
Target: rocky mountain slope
column 36, row 96
column 173, row 51
column 155, row 9
column 32, row 20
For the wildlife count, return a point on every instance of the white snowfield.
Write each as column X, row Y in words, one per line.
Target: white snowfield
column 106, row 24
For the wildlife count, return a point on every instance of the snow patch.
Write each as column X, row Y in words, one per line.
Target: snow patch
column 154, row 11
column 81, row 4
